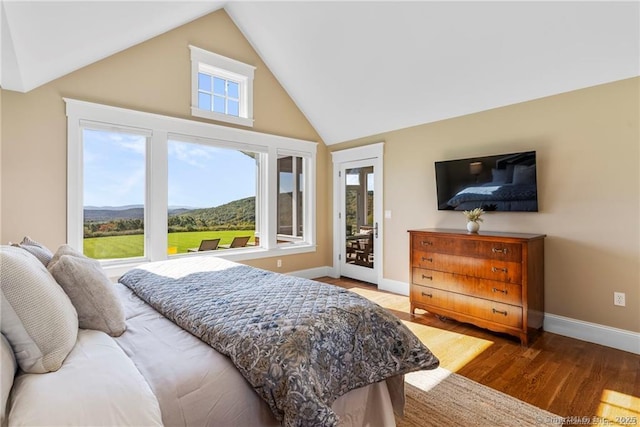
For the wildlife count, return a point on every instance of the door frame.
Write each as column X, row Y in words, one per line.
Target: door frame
column 374, row 153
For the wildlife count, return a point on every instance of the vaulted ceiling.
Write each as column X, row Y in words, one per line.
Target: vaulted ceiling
column 356, row 68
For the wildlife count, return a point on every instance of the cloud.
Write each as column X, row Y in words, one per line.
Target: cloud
column 191, row 154
column 138, row 147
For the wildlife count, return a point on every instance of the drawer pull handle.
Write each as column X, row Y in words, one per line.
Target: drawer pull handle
column 427, row 295
column 498, row 311
column 499, row 250
column 427, row 259
column 426, row 243
column 496, row 269
column 427, row 277
column 504, row 291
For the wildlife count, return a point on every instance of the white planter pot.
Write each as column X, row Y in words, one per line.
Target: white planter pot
column 473, row 227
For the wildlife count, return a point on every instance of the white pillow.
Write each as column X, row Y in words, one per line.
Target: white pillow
column 91, row 293
column 8, row 367
column 37, row 317
column 98, row 385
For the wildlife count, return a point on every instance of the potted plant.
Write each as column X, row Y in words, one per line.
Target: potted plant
column 473, row 219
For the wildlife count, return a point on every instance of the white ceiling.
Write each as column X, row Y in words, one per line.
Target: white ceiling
column 357, row 68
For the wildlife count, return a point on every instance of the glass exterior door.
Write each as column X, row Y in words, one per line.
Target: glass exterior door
column 359, row 222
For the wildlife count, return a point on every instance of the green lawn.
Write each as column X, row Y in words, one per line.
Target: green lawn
column 133, row 246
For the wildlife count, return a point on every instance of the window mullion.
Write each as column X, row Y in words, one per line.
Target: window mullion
column 157, row 197
column 294, row 197
column 309, row 200
column 271, row 201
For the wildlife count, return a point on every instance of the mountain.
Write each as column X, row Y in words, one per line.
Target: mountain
column 113, row 213
column 237, row 212
column 112, row 208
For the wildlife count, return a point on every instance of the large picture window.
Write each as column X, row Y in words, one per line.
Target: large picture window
column 212, row 195
column 145, row 187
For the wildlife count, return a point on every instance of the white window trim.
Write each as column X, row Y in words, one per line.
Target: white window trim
column 161, row 128
column 230, row 69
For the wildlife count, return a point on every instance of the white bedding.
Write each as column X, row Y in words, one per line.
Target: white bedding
column 97, row 385
column 197, row 386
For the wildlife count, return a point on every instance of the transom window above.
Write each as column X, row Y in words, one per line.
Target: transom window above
column 218, row 94
column 222, row 88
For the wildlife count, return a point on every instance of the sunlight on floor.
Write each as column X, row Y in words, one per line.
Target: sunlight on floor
column 426, row 380
column 454, row 350
column 619, row 408
column 387, row 300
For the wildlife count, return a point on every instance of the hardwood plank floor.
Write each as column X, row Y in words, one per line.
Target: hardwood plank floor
column 568, row 377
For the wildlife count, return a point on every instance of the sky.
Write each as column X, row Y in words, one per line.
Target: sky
column 199, row 175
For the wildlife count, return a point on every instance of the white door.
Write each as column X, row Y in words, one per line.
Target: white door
column 358, row 202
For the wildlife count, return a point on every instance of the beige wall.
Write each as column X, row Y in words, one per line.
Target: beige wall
column 154, row 77
column 587, row 144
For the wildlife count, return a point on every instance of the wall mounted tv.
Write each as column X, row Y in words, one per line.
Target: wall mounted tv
column 505, row 182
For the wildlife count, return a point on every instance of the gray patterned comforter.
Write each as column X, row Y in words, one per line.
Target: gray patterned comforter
column 301, row 344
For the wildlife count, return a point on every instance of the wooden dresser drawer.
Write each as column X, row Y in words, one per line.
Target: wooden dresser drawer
column 488, row 289
column 468, row 247
column 423, row 295
column 503, row 271
column 504, row 314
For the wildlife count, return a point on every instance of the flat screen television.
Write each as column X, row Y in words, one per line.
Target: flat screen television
column 504, row 182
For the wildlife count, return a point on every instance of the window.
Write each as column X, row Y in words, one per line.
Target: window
column 290, row 198
column 114, row 177
column 222, row 88
column 145, row 187
column 218, row 95
column 359, row 199
column 211, row 194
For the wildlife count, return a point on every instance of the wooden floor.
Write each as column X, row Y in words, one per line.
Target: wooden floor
column 568, row 377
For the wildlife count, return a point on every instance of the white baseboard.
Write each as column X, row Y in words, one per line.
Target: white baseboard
column 388, row 285
column 395, row 286
column 593, row 332
column 313, row 273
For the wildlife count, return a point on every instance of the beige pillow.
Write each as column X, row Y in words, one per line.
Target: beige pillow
column 91, row 292
column 67, row 250
column 37, row 317
column 36, row 249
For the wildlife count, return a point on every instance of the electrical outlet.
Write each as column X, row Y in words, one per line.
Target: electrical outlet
column 619, row 299
column 279, row 263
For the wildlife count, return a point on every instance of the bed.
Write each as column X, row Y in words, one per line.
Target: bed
column 175, row 378
column 496, row 197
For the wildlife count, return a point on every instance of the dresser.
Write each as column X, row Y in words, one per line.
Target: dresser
column 490, row 279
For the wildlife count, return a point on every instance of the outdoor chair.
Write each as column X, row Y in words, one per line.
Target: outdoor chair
column 238, row 242
column 364, row 256
column 206, row 245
